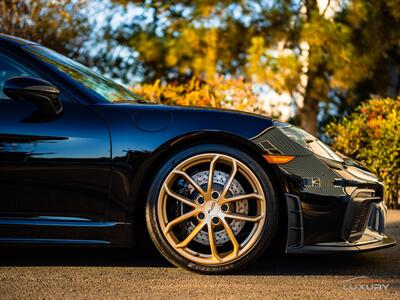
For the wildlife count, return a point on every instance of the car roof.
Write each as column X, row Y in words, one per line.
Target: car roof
column 14, row 40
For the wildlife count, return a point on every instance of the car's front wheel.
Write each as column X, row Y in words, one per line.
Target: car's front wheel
column 211, row 209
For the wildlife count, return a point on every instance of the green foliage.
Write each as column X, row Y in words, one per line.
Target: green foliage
column 338, row 54
column 57, row 24
column 281, row 72
column 372, row 65
column 371, row 135
column 178, row 40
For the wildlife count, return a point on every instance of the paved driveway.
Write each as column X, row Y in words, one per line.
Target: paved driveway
column 55, row 273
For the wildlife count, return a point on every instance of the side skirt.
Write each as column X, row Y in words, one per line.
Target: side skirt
column 64, row 231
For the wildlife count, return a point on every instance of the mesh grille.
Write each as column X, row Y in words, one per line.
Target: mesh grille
column 360, row 219
column 358, row 212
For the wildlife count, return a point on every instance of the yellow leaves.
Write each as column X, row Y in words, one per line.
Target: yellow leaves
column 218, row 92
column 359, row 12
column 280, row 69
column 333, row 48
column 255, row 53
column 189, row 39
column 66, row 16
column 57, row 24
column 210, row 58
column 287, row 73
column 191, row 50
column 394, row 6
column 171, row 59
column 149, row 47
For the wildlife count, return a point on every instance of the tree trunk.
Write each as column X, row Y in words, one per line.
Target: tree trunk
column 309, row 111
column 308, row 115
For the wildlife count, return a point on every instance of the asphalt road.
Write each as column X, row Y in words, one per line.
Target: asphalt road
column 87, row 273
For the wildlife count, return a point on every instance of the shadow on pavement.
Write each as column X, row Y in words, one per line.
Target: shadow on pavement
column 58, row 256
column 385, row 262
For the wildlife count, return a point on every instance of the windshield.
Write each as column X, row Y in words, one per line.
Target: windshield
column 308, row 141
column 104, row 88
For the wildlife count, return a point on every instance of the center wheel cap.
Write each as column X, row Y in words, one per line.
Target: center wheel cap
column 212, row 208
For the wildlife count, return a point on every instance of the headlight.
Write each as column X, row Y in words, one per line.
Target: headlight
column 307, row 141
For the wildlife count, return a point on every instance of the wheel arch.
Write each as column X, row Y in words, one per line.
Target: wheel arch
column 180, row 143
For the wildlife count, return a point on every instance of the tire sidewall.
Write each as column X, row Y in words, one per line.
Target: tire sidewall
column 163, row 245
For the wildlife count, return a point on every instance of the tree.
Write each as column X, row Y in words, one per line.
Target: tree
column 370, row 135
column 59, row 25
column 336, row 55
column 375, row 37
column 218, row 92
column 185, row 39
column 178, row 40
column 317, row 54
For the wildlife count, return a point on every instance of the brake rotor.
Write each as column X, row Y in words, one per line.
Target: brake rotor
column 240, row 207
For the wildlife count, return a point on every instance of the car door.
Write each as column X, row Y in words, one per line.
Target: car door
column 57, row 169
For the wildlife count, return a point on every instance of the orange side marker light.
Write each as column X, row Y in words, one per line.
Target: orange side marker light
column 278, row 159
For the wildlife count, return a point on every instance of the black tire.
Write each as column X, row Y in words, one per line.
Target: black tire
column 268, row 230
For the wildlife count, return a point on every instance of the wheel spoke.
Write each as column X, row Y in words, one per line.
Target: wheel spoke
column 244, row 217
column 230, row 180
column 179, row 220
column 191, row 236
column 211, row 175
column 239, row 197
column 198, row 209
column 191, row 181
column 179, row 197
column 211, row 238
column 232, row 237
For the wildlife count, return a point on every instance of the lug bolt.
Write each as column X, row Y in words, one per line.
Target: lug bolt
column 215, row 195
column 224, row 207
column 215, row 220
column 200, row 200
column 201, row 216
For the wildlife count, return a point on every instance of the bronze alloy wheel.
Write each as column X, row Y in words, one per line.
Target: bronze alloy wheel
column 211, row 209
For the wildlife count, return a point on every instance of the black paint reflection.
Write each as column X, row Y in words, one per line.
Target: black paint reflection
column 58, row 168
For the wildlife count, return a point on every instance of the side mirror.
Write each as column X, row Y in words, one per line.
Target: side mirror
column 41, row 93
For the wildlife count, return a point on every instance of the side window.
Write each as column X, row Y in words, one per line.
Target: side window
column 10, row 68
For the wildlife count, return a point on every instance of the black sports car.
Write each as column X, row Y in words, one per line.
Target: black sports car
column 85, row 162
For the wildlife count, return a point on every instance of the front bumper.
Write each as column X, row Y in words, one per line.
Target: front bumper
column 363, row 227
column 368, row 242
column 331, row 206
